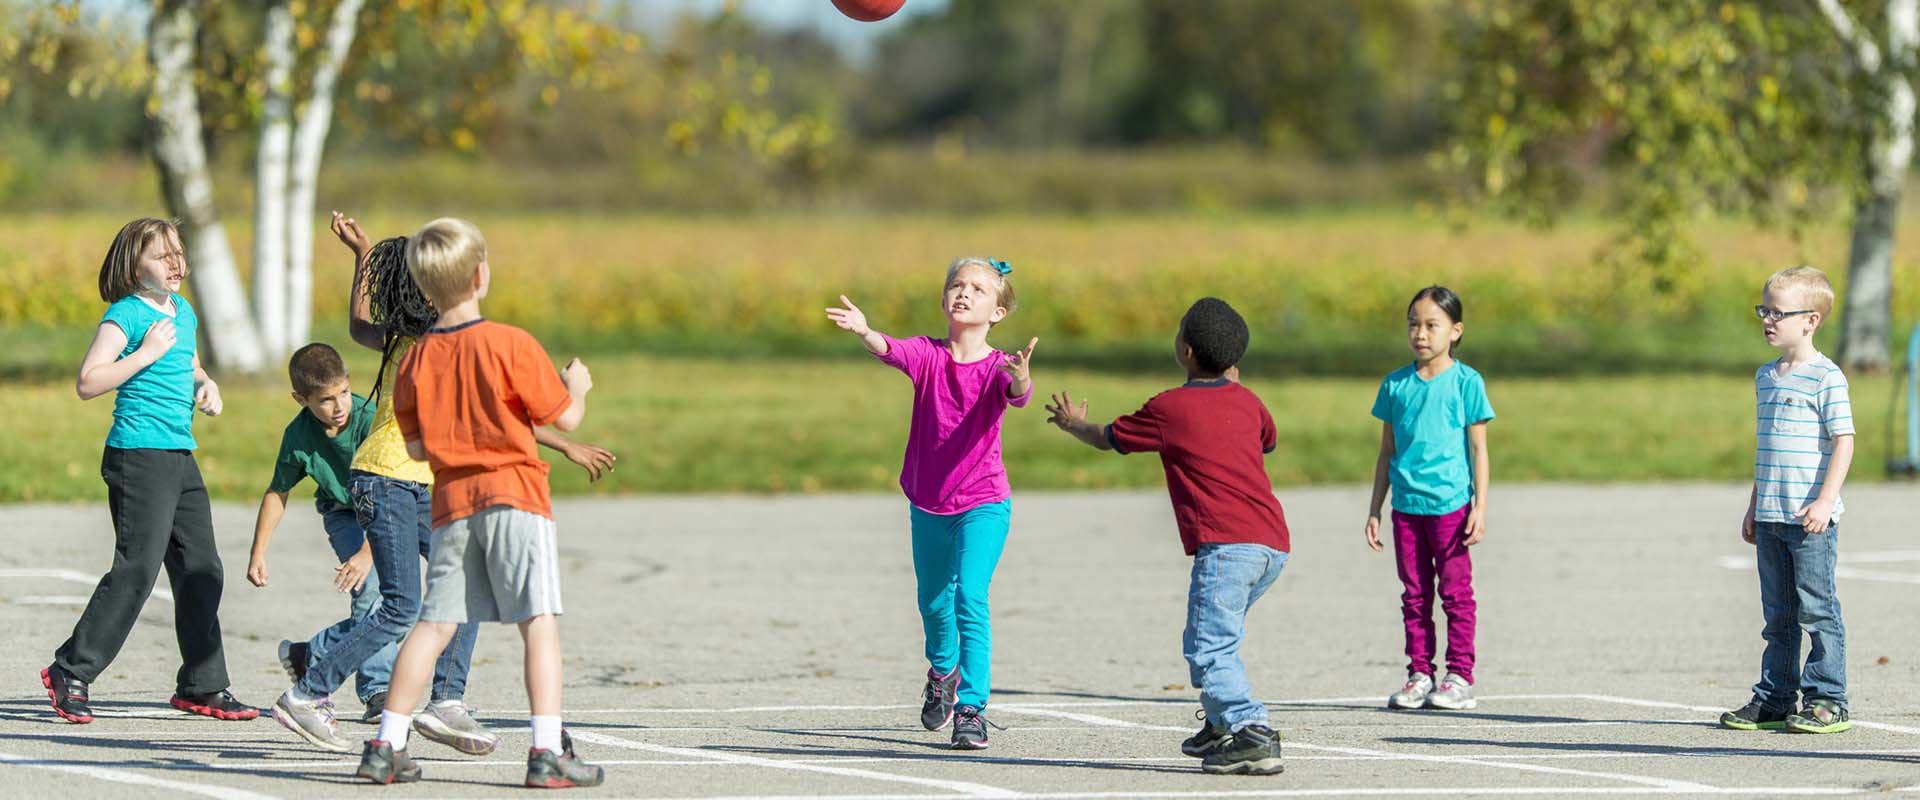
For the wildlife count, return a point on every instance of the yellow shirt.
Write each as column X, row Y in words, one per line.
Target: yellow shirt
column 385, row 452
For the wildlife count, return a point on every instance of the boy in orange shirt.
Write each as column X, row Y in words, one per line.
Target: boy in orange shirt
column 469, row 395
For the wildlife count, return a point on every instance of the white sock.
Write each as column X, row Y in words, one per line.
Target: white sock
column 446, row 703
column 394, row 729
column 546, row 733
column 300, row 696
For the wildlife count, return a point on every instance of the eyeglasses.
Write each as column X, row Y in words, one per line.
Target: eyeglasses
column 1775, row 315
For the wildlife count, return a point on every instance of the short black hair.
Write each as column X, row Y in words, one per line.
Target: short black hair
column 315, row 367
column 1216, row 333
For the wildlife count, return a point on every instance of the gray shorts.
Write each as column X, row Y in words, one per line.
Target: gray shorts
column 499, row 565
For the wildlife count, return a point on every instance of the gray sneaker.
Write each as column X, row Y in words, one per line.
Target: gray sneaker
column 310, row 721
column 1414, row 694
column 451, row 725
column 1454, row 694
column 375, row 705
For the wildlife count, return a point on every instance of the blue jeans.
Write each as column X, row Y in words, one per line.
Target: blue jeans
column 954, row 556
column 397, row 516
column 1797, row 594
column 344, row 534
column 1227, row 579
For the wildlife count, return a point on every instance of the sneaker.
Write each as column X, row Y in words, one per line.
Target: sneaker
column 1820, row 716
column 451, row 725
column 375, row 705
column 382, row 764
column 545, row 770
column 69, row 695
column 970, row 729
column 219, row 705
column 1414, row 694
column 1754, row 716
column 1454, row 694
column 309, row 721
column 937, row 711
column 1210, row 738
column 1253, row 750
column 293, row 659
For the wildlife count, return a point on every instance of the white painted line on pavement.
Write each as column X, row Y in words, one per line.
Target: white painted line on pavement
column 72, row 576
column 962, row 787
column 123, row 776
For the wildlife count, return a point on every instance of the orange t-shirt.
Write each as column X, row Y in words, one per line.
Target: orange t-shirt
column 472, row 394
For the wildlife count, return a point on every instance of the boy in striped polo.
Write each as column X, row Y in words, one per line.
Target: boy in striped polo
column 1805, row 444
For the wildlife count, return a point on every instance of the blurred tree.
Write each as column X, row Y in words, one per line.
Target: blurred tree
column 1762, row 109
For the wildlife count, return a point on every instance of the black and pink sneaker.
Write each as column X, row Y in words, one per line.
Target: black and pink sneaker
column 68, row 693
column 219, row 705
column 937, row 711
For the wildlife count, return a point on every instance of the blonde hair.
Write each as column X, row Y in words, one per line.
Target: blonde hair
column 1003, row 284
column 1809, row 284
column 119, row 271
column 443, row 258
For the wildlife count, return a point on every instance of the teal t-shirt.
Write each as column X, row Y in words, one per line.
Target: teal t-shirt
column 306, row 451
column 1430, row 470
column 154, row 408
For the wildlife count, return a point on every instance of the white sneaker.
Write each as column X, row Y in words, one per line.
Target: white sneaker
column 310, row 721
column 451, row 725
column 1414, row 694
column 1454, row 694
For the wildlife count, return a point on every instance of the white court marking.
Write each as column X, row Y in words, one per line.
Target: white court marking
column 70, row 576
column 1842, row 570
column 964, row 788
column 124, row 776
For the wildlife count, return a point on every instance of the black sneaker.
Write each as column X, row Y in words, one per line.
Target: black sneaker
column 219, row 705
column 1253, row 750
column 970, row 729
column 382, row 764
column 375, row 705
column 545, row 770
column 293, row 658
column 69, row 695
column 937, row 711
column 1210, row 738
column 1820, row 716
column 1754, row 716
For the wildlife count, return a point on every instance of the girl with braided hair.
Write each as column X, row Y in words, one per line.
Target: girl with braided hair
column 392, row 501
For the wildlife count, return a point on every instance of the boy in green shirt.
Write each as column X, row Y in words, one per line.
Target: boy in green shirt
column 319, row 443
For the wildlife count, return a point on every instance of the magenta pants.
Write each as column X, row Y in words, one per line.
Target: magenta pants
column 1432, row 550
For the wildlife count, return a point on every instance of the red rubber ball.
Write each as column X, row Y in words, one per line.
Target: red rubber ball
column 868, row 10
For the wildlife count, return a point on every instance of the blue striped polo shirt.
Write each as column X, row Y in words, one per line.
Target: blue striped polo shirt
column 1798, row 416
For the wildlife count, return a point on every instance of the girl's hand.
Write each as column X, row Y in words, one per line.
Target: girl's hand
column 1016, row 365
column 1373, row 532
column 1064, row 413
column 849, row 318
column 350, row 234
column 1476, row 526
column 207, row 398
column 597, row 461
column 159, row 339
column 257, row 571
column 350, row 575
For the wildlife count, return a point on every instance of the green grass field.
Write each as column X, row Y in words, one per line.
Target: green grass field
column 838, row 424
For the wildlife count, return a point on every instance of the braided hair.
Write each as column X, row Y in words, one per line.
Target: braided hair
column 398, row 305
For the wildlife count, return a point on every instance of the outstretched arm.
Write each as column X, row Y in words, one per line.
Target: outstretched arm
column 1073, row 419
column 596, row 460
column 849, row 318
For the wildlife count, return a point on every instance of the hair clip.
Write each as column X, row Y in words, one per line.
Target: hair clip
column 1001, row 267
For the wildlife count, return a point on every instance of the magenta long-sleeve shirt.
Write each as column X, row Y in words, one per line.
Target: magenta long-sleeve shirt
column 953, row 446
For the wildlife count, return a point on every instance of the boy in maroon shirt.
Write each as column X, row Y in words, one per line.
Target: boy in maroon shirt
column 1211, row 434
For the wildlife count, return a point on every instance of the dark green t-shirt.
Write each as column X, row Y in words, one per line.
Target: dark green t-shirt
column 307, row 452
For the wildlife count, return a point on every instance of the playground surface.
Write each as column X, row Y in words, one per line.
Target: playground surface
column 768, row 647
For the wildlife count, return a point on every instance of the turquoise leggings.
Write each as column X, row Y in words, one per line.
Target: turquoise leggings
column 953, row 558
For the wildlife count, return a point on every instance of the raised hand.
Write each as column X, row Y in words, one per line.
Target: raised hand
column 576, row 377
column 849, row 318
column 350, row 234
column 1016, row 365
column 1061, row 411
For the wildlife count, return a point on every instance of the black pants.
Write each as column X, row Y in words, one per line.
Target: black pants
column 160, row 518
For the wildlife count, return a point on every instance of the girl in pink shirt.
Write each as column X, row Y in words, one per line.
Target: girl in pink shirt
column 960, row 502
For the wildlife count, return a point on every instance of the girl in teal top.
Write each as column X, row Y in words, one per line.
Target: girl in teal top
column 143, row 351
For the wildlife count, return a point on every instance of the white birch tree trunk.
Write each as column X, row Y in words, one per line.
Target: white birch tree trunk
column 309, row 142
column 1867, row 321
column 181, row 158
column 271, row 300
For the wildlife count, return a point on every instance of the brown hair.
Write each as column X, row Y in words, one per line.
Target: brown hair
column 315, row 367
column 119, row 276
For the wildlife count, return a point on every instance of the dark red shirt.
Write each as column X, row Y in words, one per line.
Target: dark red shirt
column 1212, row 437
